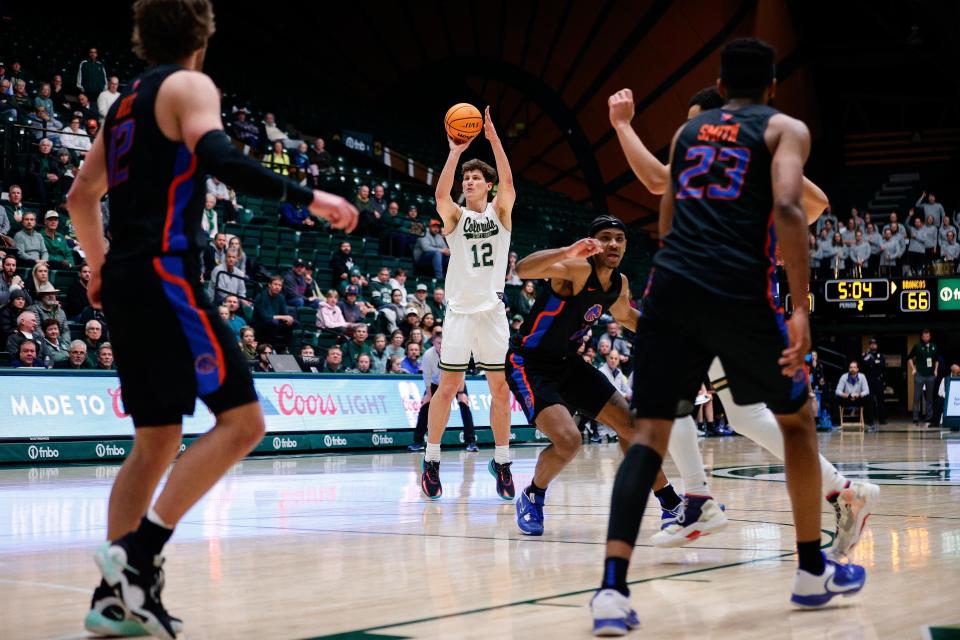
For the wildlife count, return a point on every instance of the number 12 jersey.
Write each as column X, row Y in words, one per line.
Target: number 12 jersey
column 479, row 247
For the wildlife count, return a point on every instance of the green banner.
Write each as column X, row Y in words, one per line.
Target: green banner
column 948, row 294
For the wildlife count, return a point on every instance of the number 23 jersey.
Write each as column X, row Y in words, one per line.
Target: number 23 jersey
column 722, row 236
column 479, row 247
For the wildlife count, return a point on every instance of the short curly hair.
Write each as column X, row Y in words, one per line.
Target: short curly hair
column 169, row 30
column 489, row 173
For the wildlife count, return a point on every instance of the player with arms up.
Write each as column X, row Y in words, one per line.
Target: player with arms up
column 476, row 320
column 736, row 176
column 159, row 141
column 852, row 501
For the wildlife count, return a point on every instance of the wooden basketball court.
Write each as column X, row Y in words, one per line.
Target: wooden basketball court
column 344, row 546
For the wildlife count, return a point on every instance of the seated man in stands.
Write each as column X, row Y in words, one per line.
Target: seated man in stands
column 245, row 131
column 949, row 250
column 60, row 255
column 27, row 355
column 356, row 280
column 226, row 279
column 431, row 251
column 334, row 361
column 380, row 289
column 77, row 358
column 105, row 357
column 77, row 299
column 438, row 304
column 73, row 137
column 274, row 324
column 356, row 347
column 235, row 318
column 341, row 263
column 295, row 287
column 296, row 217
column 30, row 245
column 46, row 305
column 853, row 391
column 93, row 338
column 55, row 346
column 214, row 254
column 364, row 364
column 321, row 162
column 354, row 311
column 411, row 364
column 10, row 281
column 45, row 173
column 26, row 331
column 419, row 300
column 14, row 208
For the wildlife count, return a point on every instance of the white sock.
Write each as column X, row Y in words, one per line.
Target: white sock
column 501, row 455
column 155, row 519
column 685, row 452
column 433, row 452
column 759, row 424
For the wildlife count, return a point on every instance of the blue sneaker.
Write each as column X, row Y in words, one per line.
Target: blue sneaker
column 699, row 516
column 612, row 613
column 669, row 516
column 836, row 580
column 530, row 514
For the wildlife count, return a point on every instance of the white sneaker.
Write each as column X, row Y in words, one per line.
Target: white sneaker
column 853, row 506
column 612, row 613
column 701, row 516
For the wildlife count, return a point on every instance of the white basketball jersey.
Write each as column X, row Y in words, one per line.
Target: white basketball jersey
column 479, row 247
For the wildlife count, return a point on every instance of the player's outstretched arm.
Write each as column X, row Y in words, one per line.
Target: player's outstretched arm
column 83, row 202
column 559, row 263
column 506, row 192
column 649, row 170
column 792, row 140
column 188, row 109
column 814, row 200
column 446, row 207
column 621, row 310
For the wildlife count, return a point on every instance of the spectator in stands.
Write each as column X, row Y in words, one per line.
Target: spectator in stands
column 93, row 128
column 68, row 169
column 21, row 101
column 273, row 321
column 30, row 245
column 341, row 263
column 848, row 233
column 330, row 316
column 917, row 249
column 355, row 347
column 93, row 338
column 296, row 216
column 438, row 304
column 8, row 110
column 46, row 305
column 854, row 391
column 859, row 256
column 226, row 279
column 244, row 130
column 930, row 235
column 395, row 349
column 233, row 245
column 248, row 343
column 369, row 216
column 214, row 254
column 105, row 357
column 611, row 370
column 364, row 363
column 949, row 250
column 85, row 110
column 813, row 250
column 10, row 313
column 277, row 159
column 411, row 322
column 91, row 75
column 39, row 276
column 391, row 223
column 307, row 359
column 431, row 251
column 399, row 281
column 527, row 298
column 428, row 324
column 43, row 126
column 390, row 316
column 873, row 239
column 262, row 361
column 27, row 324
column 618, row 343
column 416, row 337
column 43, row 99
column 890, row 252
column 44, row 172
column 354, row 311
column 378, row 355
column 108, row 96
column 515, row 323
column 295, row 286
column 413, row 229
column 234, row 319
column 14, row 207
column 826, row 217
column 300, row 159
column 27, row 353
column 321, row 162
column 380, row 288
column 589, row 354
column 512, row 278
column 55, row 346
column 604, row 347
column 356, row 280
column 225, row 197
column 77, row 299
column 10, row 281
column 928, row 206
column 411, row 363
column 379, row 201
column 58, row 96
column 334, row 361
column 924, row 367
column 840, row 253
column 73, row 138
column 76, row 357
column 59, row 254
column 419, row 301
column 4, row 227
column 208, row 219
column 272, row 131
column 396, row 366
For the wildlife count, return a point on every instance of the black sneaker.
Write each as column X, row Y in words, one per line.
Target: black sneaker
column 139, row 581
column 430, row 479
column 504, row 479
column 108, row 615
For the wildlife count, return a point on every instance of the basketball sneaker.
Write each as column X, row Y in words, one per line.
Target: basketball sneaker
column 504, row 479
column 853, row 506
column 109, row 617
column 472, row 447
column 139, row 580
column 430, row 479
column 530, row 514
column 699, row 516
column 612, row 613
column 836, row 580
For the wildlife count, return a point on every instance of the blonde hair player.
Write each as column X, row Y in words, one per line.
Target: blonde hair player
column 476, row 320
column 852, row 501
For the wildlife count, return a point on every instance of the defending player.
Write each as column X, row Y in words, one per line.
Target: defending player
column 159, row 141
column 476, row 321
column 737, row 178
column 852, row 501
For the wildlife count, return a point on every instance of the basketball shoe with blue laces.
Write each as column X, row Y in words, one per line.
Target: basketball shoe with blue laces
column 430, row 479
column 612, row 613
column 138, row 580
column 109, row 617
column 699, row 516
column 836, row 580
column 530, row 514
column 504, row 479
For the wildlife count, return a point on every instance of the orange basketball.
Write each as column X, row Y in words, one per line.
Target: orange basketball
column 463, row 122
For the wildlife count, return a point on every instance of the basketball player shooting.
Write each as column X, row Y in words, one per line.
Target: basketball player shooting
column 159, row 141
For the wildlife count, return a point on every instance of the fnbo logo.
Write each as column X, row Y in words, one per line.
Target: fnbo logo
column 42, row 452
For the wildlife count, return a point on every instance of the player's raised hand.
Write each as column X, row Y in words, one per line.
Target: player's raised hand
column 584, row 248
column 621, row 107
column 488, row 129
column 337, row 211
column 457, row 146
column 798, row 330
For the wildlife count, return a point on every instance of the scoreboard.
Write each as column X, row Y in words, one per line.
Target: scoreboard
column 883, row 297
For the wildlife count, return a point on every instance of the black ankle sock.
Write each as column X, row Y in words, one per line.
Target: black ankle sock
column 615, row 575
column 810, row 557
column 534, row 489
column 631, row 488
column 711, row 426
column 668, row 498
column 151, row 537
